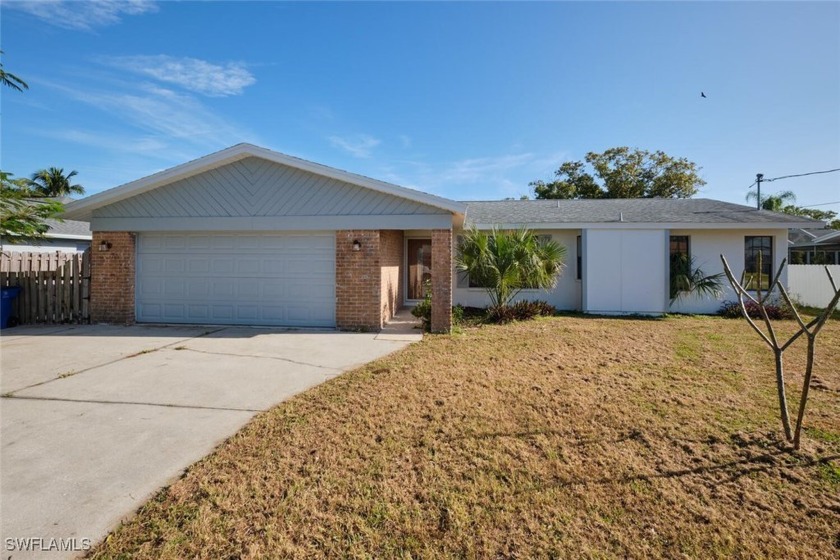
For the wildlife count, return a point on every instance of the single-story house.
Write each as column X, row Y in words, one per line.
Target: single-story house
column 63, row 236
column 251, row 236
column 814, row 246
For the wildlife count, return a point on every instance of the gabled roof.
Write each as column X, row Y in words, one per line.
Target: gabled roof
column 816, row 237
column 68, row 229
column 624, row 212
column 82, row 209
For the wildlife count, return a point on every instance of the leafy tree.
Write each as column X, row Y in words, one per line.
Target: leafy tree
column 506, row 262
column 21, row 217
column 10, row 80
column 53, row 183
column 623, row 173
column 782, row 202
column 827, row 216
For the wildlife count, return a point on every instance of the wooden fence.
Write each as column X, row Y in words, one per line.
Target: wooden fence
column 55, row 287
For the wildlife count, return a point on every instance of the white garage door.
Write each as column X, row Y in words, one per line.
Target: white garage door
column 237, row 279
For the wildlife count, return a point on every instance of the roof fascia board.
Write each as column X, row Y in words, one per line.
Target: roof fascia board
column 639, row 225
column 68, row 236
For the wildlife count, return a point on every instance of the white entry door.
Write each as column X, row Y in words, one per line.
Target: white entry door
column 236, row 279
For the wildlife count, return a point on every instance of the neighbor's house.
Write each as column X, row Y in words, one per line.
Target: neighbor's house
column 64, row 236
column 251, row 236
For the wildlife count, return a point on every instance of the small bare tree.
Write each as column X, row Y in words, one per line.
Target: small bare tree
column 810, row 330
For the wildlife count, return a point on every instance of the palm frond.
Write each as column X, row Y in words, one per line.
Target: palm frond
column 506, row 262
column 687, row 279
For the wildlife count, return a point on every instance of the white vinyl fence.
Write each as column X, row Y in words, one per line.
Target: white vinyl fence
column 809, row 284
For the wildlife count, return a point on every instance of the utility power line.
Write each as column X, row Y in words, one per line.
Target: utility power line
column 821, row 204
column 759, row 178
column 801, row 175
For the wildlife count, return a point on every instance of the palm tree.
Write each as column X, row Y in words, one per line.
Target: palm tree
column 53, row 183
column 10, row 80
column 773, row 202
column 506, row 262
column 22, row 219
column 687, row 279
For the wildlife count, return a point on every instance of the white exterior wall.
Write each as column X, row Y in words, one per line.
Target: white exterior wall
column 565, row 296
column 809, row 284
column 706, row 247
column 625, row 271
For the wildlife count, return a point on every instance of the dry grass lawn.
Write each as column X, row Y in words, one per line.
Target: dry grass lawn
column 565, row 437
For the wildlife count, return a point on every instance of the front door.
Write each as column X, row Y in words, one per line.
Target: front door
column 419, row 263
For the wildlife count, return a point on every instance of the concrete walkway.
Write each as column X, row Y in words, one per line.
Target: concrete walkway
column 95, row 419
column 404, row 327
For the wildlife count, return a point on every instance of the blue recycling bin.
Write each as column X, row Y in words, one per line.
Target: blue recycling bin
column 9, row 293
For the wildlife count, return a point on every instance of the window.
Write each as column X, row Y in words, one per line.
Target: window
column 680, row 265
column 758, row 262
column 579, row 250
column 473, row 283
column 679, row 245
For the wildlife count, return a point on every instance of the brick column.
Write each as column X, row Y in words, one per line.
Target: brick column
column 112, row 278
column 441, row 280
column 358, row 289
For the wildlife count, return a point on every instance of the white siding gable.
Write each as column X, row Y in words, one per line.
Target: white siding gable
column 253, row 187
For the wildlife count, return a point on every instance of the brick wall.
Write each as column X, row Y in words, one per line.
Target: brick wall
column 112, row 278
column 441, row 280
column 369, row 281
column 391, row 266
column 357, row 276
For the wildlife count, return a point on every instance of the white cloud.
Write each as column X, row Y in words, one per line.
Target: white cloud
column 107, row 140
column 360, row 145
column 164, row 115
column 104, row 140
column 84, row 15
column 478, row 178
column 193, row 74
column 405, row 140
column 475, row 170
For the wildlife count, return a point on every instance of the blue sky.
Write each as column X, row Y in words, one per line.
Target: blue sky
column 465, row 100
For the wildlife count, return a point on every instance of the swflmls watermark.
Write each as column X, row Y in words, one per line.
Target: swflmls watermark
column 41, row 544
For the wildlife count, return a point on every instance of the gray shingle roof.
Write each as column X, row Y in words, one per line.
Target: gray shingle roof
column 629, row 210
column 812, row 237
column 68, row 227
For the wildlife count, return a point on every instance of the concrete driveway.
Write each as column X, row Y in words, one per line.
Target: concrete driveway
column 95, row 419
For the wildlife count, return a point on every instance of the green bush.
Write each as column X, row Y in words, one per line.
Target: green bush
column 458, row 315
column 506, row 262
column 519, row 311
column 732, row 310
column 423, row 310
